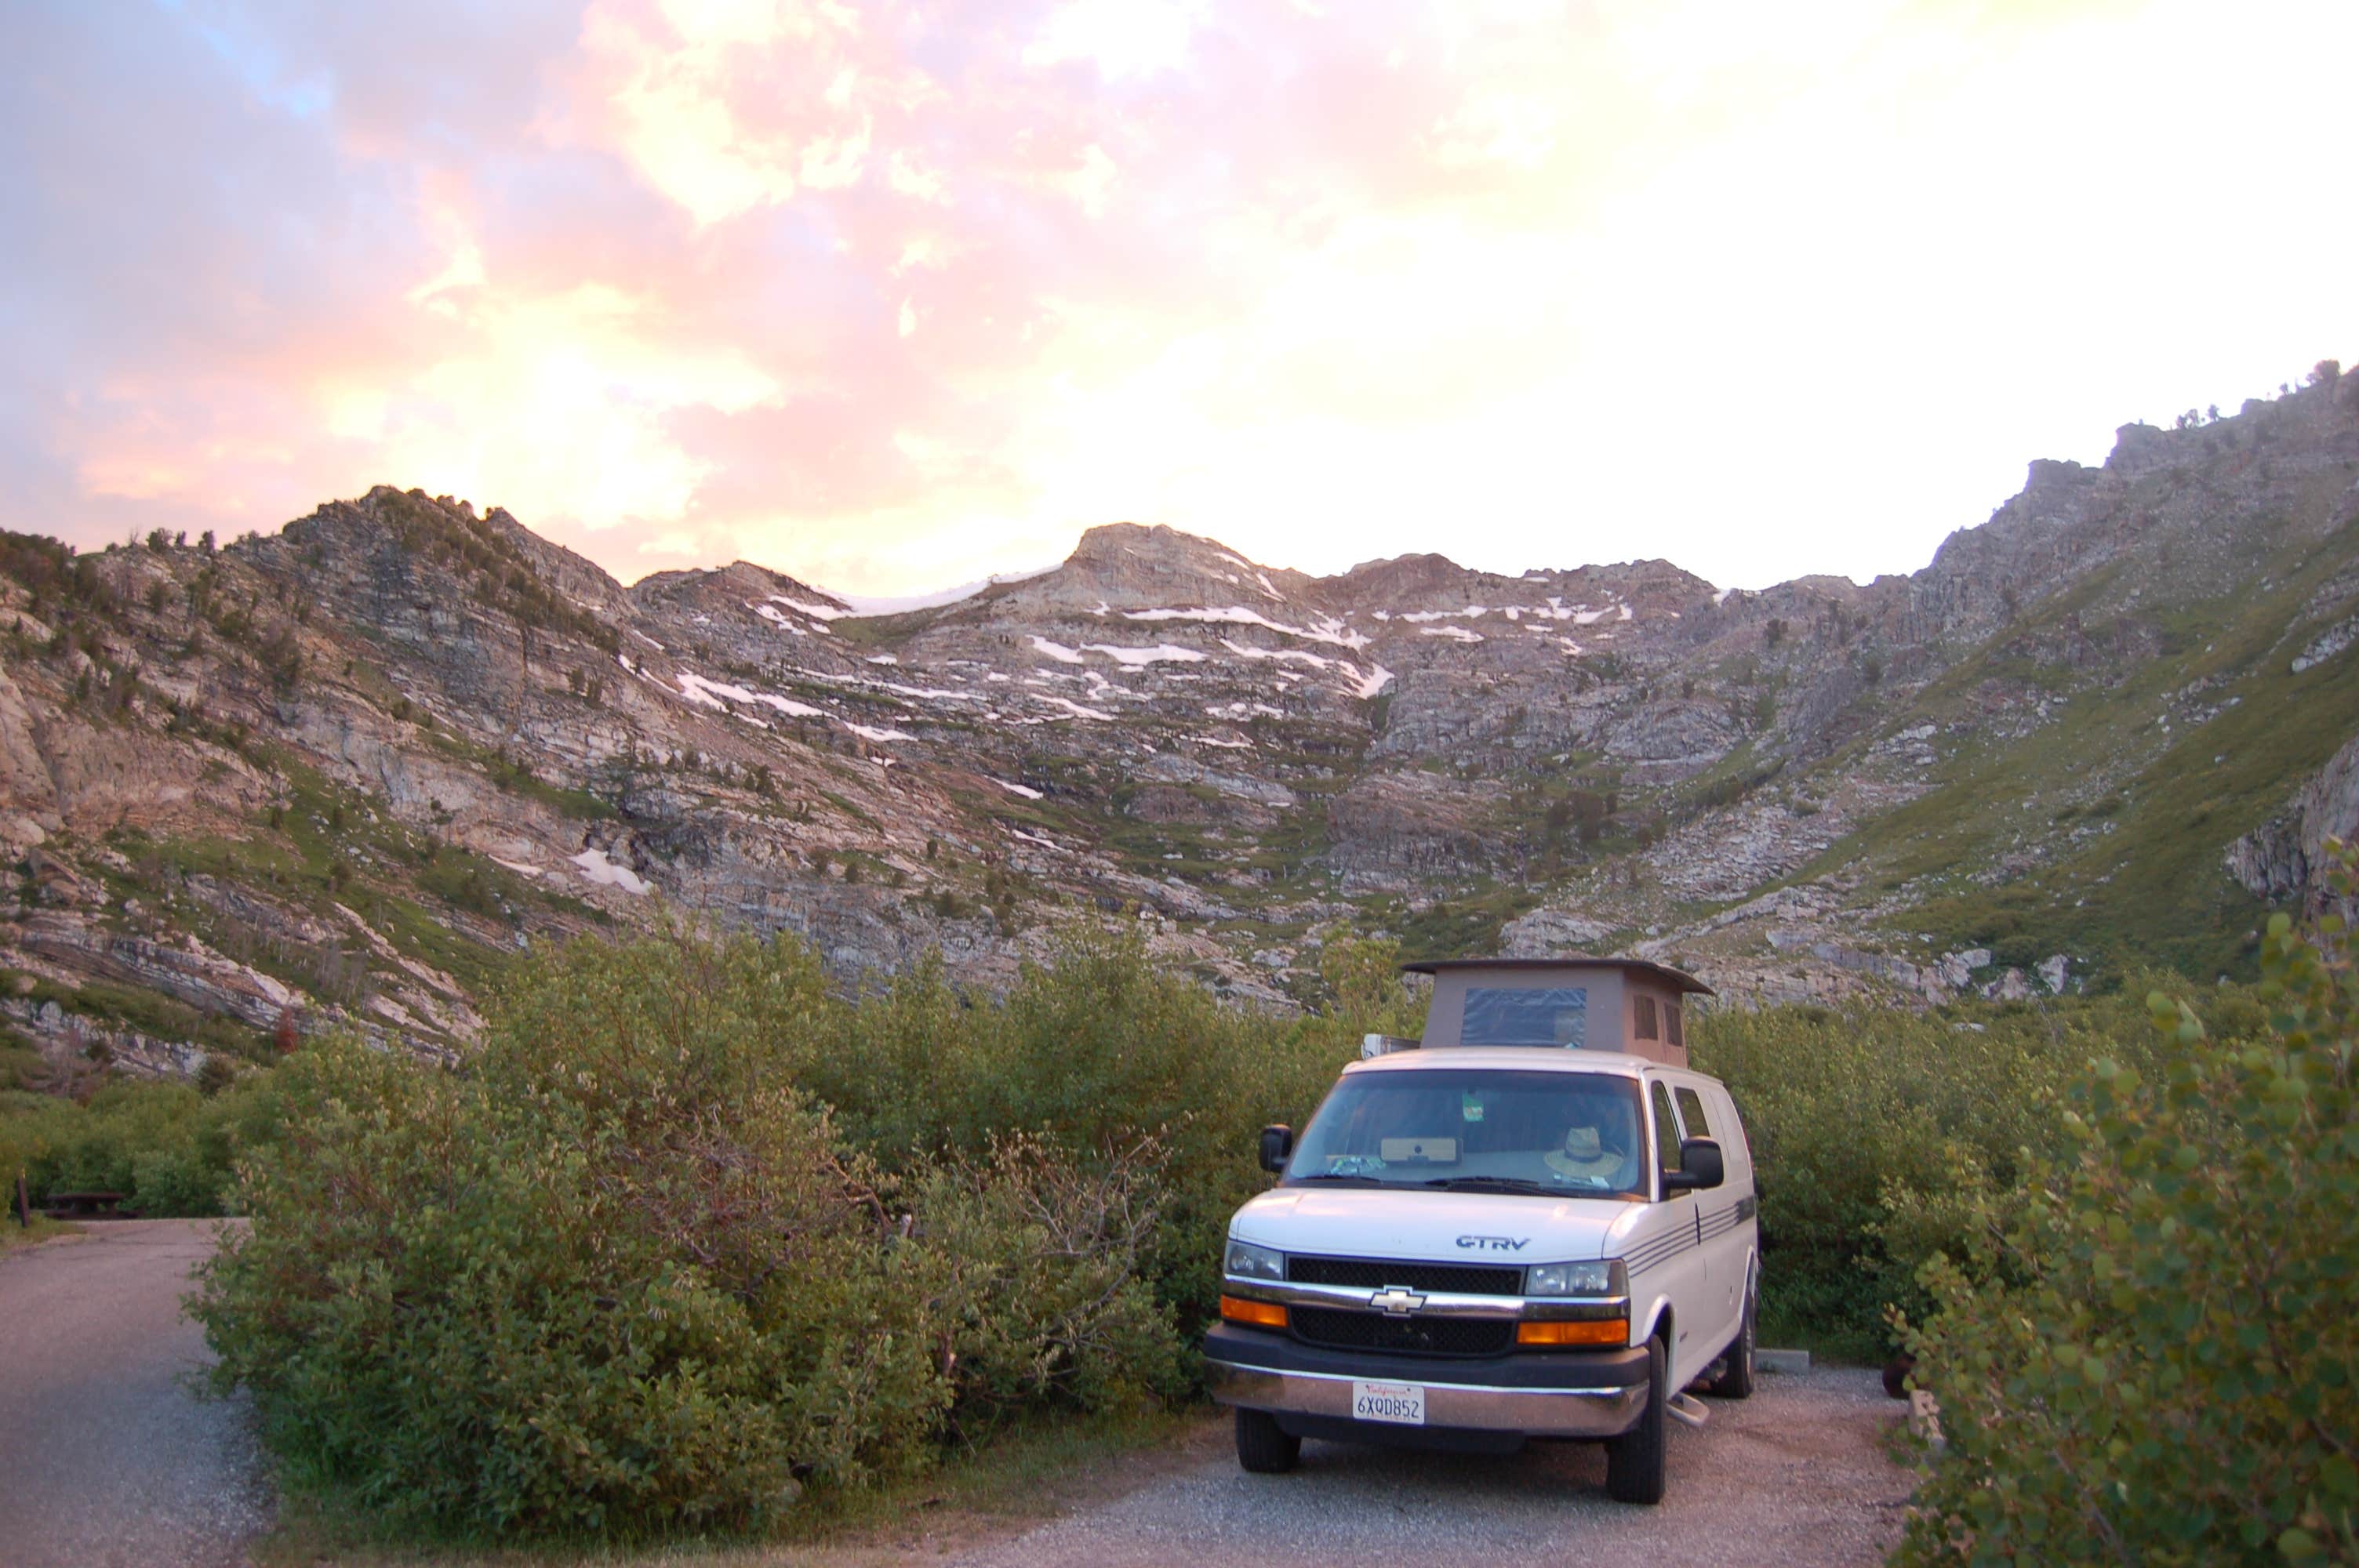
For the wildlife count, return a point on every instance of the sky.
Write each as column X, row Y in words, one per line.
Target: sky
column 892, row 296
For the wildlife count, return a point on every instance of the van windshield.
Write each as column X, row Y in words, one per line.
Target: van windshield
column 1479, row 1129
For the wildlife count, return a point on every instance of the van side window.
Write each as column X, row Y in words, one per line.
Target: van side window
column 1642, row 1019
column 1667, row 1131
column 1692, row 1114
column 1673, row 1032
column 1733, row 1139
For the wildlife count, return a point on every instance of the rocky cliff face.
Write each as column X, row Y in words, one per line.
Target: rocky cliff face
column 334, row 775
column 2290, row 859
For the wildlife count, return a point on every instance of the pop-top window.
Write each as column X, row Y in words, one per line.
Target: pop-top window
column 1642, row 1019
column 1675, row 1034
column 1526, row 1015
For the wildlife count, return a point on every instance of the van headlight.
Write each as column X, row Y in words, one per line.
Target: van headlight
column 1601, row 1277
column 1247, row 1262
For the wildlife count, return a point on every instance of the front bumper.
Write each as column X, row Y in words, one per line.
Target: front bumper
column 1561, row 1393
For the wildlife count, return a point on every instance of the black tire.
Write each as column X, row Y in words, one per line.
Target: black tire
column 1636, row 1461
column 1262, row 1447
column 1736, row 1379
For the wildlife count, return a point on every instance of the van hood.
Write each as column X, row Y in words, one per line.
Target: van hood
column 1435, row 1227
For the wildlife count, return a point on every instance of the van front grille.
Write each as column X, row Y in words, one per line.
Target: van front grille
column 1375, row 1273
column 1410, row 1335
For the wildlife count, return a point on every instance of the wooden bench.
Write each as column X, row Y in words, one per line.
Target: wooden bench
column 87, row 1205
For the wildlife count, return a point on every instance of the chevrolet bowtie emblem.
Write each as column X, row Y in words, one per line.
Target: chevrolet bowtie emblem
column 1395, row 1302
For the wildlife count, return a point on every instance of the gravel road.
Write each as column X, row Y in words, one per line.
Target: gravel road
column 1796, row 1475
column 108, row 1459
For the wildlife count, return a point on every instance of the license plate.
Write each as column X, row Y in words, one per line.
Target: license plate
column 1403, row 1405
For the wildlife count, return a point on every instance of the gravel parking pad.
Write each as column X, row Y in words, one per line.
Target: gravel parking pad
column 1796, row 1475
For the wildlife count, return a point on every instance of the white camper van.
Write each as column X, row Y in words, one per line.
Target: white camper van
column 1534, row 1222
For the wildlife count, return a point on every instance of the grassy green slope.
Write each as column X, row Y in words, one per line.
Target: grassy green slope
column 2132, row 864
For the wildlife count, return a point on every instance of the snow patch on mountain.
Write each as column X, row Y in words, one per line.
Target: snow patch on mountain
column 1326, row 629
column 597, row 867
column 1136, row 658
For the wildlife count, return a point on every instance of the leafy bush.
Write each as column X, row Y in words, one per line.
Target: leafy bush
column 572, row 1300
column 1091, row 1055
column 2148, row 1352
column 627, row 1269
column 167, row 1147
column 1875, row 1129
column 1037, row 1281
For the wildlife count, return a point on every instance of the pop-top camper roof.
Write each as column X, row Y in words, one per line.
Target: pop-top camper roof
column 1677, row 979
column 1568, row 1003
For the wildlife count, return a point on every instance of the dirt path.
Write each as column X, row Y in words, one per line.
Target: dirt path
column 1796, row 1475
column 108, row 1460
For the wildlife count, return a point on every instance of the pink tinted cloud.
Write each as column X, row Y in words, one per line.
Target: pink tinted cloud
column 889, row 293
column 670, row 275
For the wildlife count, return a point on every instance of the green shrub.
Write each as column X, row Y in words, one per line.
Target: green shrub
column 1877, row 1132
column 175, row 1182
column 2148, row 1353
column 625, row 1270
column 169, row 1149
column 1090, row 1054
column 576, row 1299
column 1038, row 1279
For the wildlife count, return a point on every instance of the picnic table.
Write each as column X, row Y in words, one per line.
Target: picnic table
column 86, row 1205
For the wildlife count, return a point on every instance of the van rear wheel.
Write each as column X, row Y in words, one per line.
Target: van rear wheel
column 1636, row 1461
column 1262, row 1446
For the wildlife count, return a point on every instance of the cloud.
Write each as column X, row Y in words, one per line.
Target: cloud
column 910, row 178
column 565, row 398
column 726, row 105
column 902, row 292
column 1090, row 184
column 1121, row 38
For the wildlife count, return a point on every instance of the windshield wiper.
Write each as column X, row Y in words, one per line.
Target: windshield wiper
column 1333, row 1176
column 1495, row 1184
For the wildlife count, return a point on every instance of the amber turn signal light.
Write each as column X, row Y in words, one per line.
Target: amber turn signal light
column 1261, row 1314
column 1587, row 1331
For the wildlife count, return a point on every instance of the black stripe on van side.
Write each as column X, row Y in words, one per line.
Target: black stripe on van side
column 1662, row 1249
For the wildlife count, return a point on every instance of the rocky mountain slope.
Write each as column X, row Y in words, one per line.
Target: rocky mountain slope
column 336, row 775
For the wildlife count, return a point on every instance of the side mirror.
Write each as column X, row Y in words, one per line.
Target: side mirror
column 1699, row 1166
column 1277, row 1147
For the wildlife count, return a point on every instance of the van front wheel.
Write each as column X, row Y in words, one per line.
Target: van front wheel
column 1635, row 1462
column 1262, row 1447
